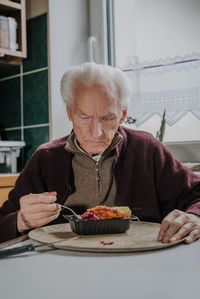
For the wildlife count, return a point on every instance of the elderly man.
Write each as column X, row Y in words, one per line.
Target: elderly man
column 103, row 163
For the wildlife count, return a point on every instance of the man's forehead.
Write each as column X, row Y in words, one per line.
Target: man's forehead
column 89, row 100
column 86, row 112
column 79, row 86
column 80, row 90
column 83, row 109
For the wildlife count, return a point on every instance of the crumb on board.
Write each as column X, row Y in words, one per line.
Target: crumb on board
column 106, row 243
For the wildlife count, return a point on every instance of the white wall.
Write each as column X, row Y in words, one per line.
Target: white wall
column 68, row 33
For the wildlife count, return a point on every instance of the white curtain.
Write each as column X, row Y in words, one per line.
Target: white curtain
column 171, row 84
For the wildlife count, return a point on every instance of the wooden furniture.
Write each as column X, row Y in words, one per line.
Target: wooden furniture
column 6, row 184
column 17, row 10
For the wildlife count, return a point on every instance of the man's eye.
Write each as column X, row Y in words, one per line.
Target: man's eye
column 109, row 118
column 84, row 117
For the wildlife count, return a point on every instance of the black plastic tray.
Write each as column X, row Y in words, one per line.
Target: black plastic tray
column 94, row 227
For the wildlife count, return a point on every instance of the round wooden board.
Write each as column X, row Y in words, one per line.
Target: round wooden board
column 141, row 236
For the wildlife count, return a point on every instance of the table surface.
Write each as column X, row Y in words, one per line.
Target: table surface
column 167, row 273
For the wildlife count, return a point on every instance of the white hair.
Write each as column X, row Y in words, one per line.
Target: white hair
column 115, row 82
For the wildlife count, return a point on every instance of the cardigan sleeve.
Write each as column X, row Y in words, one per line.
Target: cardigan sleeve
column 177, row 186
column 29, row 181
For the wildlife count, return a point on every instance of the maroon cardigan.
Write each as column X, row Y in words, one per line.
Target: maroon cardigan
column 149, row 180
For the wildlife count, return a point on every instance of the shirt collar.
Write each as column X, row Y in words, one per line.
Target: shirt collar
column 72, row 145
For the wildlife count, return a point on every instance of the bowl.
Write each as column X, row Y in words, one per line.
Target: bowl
column 96, row 227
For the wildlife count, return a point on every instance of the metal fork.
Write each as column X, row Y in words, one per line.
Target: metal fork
column 67, row 208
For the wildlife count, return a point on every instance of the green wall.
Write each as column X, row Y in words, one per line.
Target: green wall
column 24, row 103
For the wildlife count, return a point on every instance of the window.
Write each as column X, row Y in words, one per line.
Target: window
column 157, row 43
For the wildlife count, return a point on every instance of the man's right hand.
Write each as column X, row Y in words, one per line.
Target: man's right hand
column 37, row 210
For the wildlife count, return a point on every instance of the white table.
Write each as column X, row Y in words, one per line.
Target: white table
column 168, row 273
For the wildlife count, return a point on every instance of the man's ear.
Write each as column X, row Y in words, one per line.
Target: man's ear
column 69, row 113
column 124, row 114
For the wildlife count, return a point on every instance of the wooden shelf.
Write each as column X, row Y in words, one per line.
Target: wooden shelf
column 16, row 10
column 11, row 53
column 6, row 60
column 9, row 5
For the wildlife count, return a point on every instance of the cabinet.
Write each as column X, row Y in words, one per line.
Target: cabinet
column 15, row 9
column 6, row 184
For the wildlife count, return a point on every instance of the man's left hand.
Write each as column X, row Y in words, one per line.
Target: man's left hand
column 177, row 225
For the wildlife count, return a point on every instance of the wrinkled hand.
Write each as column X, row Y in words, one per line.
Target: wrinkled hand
column 177, row 225
column 37, row 210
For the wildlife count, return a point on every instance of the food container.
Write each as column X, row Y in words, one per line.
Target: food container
column 8, row 33
column 94, row 227
column 4, row 32
column 13, row 33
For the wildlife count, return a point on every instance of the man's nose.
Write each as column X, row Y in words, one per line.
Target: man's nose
column 96, row 129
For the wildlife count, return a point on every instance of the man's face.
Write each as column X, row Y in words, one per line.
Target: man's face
column 95, row 118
